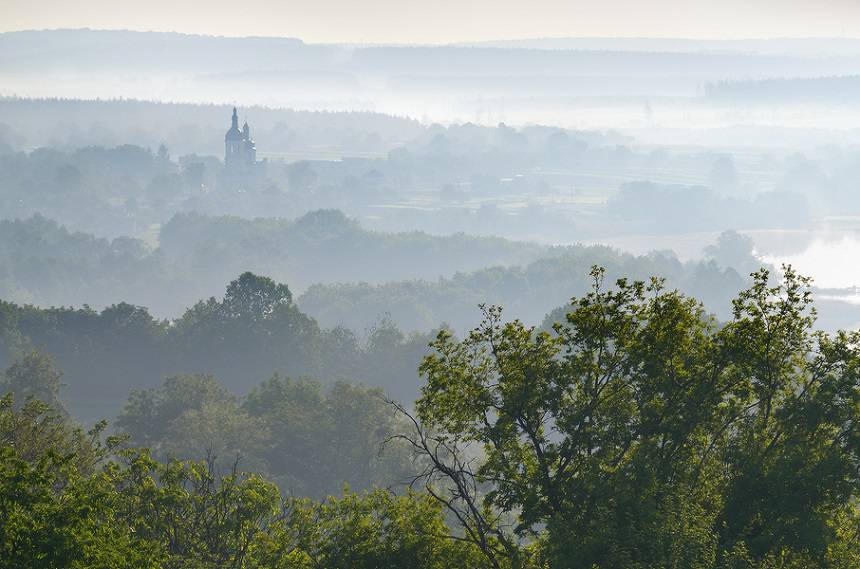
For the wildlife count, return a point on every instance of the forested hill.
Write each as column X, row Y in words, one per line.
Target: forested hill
column 91, row 51
column 45, row 264
column 343, row 274
column 327, row 246
column 526, row 291
column 188, row 128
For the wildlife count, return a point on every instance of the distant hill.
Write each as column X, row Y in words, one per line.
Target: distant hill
column 90, row 51
column 101, row 50
column 513, row 82
column 28, row 123
column 841, row 89
column 795, row 46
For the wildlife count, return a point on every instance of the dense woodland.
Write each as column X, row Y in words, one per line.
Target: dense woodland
column 636, row 432
column 255, row 330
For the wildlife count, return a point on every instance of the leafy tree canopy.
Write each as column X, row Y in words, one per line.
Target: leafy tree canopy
column 640, row 433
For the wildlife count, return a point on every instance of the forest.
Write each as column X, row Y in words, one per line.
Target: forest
column 635, row 431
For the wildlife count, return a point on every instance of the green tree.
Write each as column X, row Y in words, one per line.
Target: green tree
column 70, row 500
column 254, row 331
column 639, row 433
column 322, row 438
column 191, row 417
column 254, row 297
column 34, row 376
column 734, row 250
column 198, row 518
column 309, row 439
column 374, row 530
column 56, row 509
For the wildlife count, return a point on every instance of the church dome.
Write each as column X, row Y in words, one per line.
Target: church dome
column 233, row 134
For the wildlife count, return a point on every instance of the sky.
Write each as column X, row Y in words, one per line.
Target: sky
column 446, row 21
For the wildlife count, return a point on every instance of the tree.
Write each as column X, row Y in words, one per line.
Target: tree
column 254, row 297
column 197, row 517
column 372, row 530
column 639, row 433
column 322, row 438
column 734, row 250
column 56, row 509
column 148, row 414
column 73, row 500
column 34, row 376
column 723, row 176
column 254, row 331
column 308, row 439
column 301, row 177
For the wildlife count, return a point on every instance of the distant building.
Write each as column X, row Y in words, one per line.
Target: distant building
column 241, row 170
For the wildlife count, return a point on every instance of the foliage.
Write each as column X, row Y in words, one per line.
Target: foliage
column 255, row 330
column 638, row 433
column 124, row 509
column 373, row 530
column 676, row 208
column 309, row 439
column 527, row 292
column 56, row 508
column 34, row 376
column 641, row 434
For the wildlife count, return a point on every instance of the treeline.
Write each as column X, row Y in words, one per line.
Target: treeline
column 43, row 263
column 444, row 180
column 110, row 191
column 635, row 432
column 126, row 189
column 844, row 89
column 530, row 291
column 191, row 128
column 255, row 330
column 327, row 246
column 351, row 277
column 674, row 208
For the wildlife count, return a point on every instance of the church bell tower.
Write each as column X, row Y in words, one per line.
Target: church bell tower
column 233, row 143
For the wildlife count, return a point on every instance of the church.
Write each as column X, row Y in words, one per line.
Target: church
column 241, row 170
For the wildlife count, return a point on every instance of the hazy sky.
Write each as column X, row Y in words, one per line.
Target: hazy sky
column 439, row 21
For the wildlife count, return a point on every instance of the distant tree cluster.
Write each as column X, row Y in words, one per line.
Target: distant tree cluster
column 254, row 331
column 830, row 89
column 191, row 128
column 441, row 179
column 530, row 291
column 323, row 254
column 698, row 208
column 309, row 439
column 42, row 262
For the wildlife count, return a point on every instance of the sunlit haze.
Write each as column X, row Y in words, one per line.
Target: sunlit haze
column 443, row 21
column 483, row 284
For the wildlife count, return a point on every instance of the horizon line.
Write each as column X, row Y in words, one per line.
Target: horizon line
column 459, row 43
